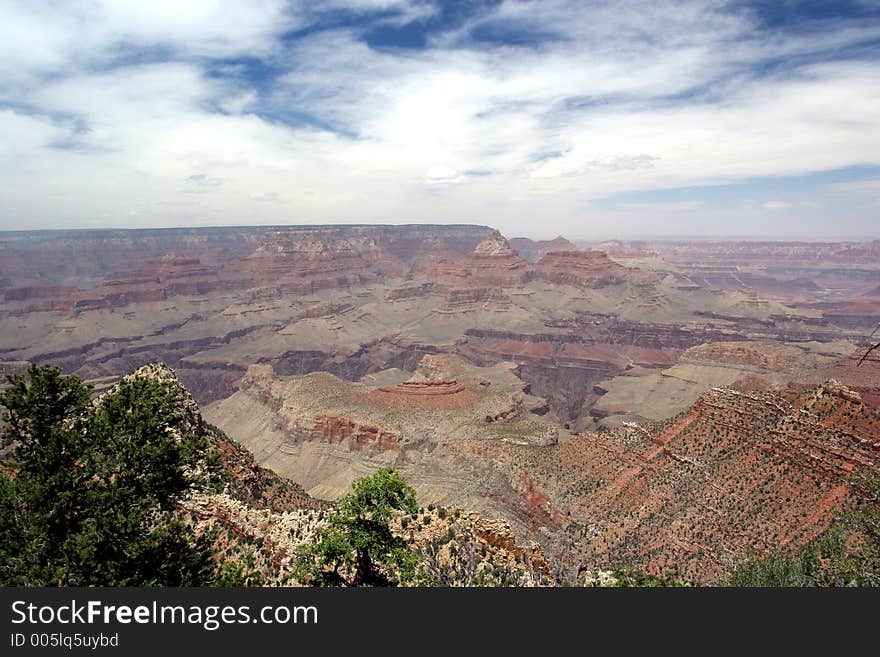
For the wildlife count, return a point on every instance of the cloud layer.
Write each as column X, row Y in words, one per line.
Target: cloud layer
column 577, row 118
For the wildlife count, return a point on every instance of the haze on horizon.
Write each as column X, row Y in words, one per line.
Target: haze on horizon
column 752, row 118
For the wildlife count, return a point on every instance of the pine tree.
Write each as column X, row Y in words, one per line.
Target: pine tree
column 88, row 496
column 357, row 547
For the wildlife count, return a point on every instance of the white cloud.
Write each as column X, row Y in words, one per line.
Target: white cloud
column 240, row 103
column 41, row 36
column 263, row 196
column 442, row 175
column 665, row 206
column 776, row 205
column 204, row 181
column 604, row 110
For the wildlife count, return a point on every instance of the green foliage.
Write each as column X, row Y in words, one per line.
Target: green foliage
column 818, row 563
column 239, row 573
column 357, row 547
column 495, row 576
column 88, row 495
column 632, row 578
column 848, row 554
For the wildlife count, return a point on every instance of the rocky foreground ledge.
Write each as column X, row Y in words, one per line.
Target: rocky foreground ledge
column 263, row 519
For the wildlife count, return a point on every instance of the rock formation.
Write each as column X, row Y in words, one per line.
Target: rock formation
column 738, row 472
column 155, row 281
column 484, row 371
column 493, row 263
column 532, row 250
column 581, row 269
column 265, row 519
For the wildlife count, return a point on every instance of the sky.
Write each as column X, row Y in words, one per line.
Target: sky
column 587, row 119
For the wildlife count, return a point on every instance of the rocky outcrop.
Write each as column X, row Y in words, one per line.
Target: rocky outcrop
column 465, row 549
column 493, row 263
column 454, row 548
column 584, row 269
column 532, row 250
column 469, row 298
column 828, row 431
column 265, row 539
column 335, row 429
column 424, row 396
column 563, row 368
column 190, row 420
column 738, row 473
column 263, row 519
column 494, row 245
column 304, row 263
column 425, row 388
column 409, row 292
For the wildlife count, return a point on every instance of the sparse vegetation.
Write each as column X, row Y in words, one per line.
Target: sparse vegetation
column 627, row 577
column 848, row 554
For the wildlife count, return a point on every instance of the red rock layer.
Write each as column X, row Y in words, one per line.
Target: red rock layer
column 334, row 429
column 422, row 395
column 35, row 292
column 492, row 264
column 157, row 280
column 581, row 269
column 81, row 257
column 459, row 297
column 425, row 388
column 559, row 350
column 305, row 263
column 740, row 472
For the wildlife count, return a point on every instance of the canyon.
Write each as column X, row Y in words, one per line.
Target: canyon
column 669, row 405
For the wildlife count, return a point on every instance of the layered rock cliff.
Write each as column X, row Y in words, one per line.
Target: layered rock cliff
column 582, row 269
column 739, row 472
column 493, row 263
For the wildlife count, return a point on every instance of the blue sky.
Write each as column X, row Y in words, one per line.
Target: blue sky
column 588, row 119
